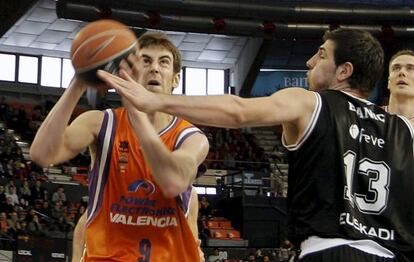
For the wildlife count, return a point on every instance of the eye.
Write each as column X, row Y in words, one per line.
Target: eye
column 165, row 61
column 321, row 54
column 410, row 67
column 146, row 60
column 395, row 68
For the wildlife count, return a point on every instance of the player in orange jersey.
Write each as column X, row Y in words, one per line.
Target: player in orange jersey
column 78, row 243
column 401, row 84
column 142, row 164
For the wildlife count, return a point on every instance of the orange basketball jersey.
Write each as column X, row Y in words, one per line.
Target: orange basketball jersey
column 128, row 217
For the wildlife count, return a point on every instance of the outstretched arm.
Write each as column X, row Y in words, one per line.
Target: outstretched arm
column 292, row 106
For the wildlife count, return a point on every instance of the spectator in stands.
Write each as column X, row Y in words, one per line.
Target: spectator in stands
column 13, row 195
column 46, row 196
column 285, row 250
column 79, row 213
column 266, row 258
column 251, row 258
column 57, row 211
column 63, row 226
column 13, row 221
column 45, row 209
column 2, row 195
column 2, row 168
column 59, row 195
column 204, row 208
column 6, row 239
column 9, row 167
column 23, row 205
column 258, row 254
column 25, row 191
column 8, row 207
column 215, row 256
column 3, row 220
column 35, row 227
column 37, row 191
column 23, row 230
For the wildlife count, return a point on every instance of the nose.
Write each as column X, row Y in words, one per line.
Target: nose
column 155, row 67
column 311, row 62
column 402, row 72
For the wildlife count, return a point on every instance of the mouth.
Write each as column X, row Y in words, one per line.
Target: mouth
column 401, row 82
column 153, row 83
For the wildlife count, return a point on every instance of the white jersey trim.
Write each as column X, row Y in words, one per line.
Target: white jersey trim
column 189, row 202
column 104, row 157
column 184, row 134
column 316, row 244
column 309, row 128
column 408, row 123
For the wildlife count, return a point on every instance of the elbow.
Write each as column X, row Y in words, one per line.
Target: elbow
column 173, row 189
column 237, row 114
column 38, row 158
column 239, row 119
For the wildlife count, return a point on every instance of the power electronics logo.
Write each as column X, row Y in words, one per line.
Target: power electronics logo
column 143, row 185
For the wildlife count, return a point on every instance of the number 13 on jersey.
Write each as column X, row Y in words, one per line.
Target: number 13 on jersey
column 374, row 199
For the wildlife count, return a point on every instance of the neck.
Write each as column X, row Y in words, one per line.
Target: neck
column 345, row 87
column 160, row 120
column 402, row 105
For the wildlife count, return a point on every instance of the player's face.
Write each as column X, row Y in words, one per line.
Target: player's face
column 322, row 68
column 401, row 77
column 155, row 65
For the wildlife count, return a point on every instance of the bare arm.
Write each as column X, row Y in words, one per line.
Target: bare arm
column 193, row 213
column 78, row 243
column 173, row 171
column 192, row 220
column 292, row 105
column 55, row 141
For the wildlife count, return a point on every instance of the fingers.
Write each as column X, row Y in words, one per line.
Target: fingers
column 129, row 64
column 125, row 75
column 132, row 59
column 123, row 65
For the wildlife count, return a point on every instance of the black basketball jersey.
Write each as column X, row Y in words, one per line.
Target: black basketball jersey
column 352, row 175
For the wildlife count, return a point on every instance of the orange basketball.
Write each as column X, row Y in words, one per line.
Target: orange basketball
column 101, row 45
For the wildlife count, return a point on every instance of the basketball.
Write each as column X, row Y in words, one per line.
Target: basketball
column 102, row 45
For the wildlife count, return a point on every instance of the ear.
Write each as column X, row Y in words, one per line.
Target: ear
column 176, row 81
column 344, row 71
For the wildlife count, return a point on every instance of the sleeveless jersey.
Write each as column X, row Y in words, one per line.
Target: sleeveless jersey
column 352, row 175
column 129, row 219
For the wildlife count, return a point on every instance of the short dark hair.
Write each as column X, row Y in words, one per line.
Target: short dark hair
column 400, row 53
column 363, row 51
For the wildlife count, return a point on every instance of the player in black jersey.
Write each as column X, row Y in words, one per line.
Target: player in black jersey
column 351, row 182
column 401, row 84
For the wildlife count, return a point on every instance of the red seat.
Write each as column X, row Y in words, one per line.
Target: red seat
column 211, row 224
column 218, row 233
column 225, row 224
column 233, row 234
